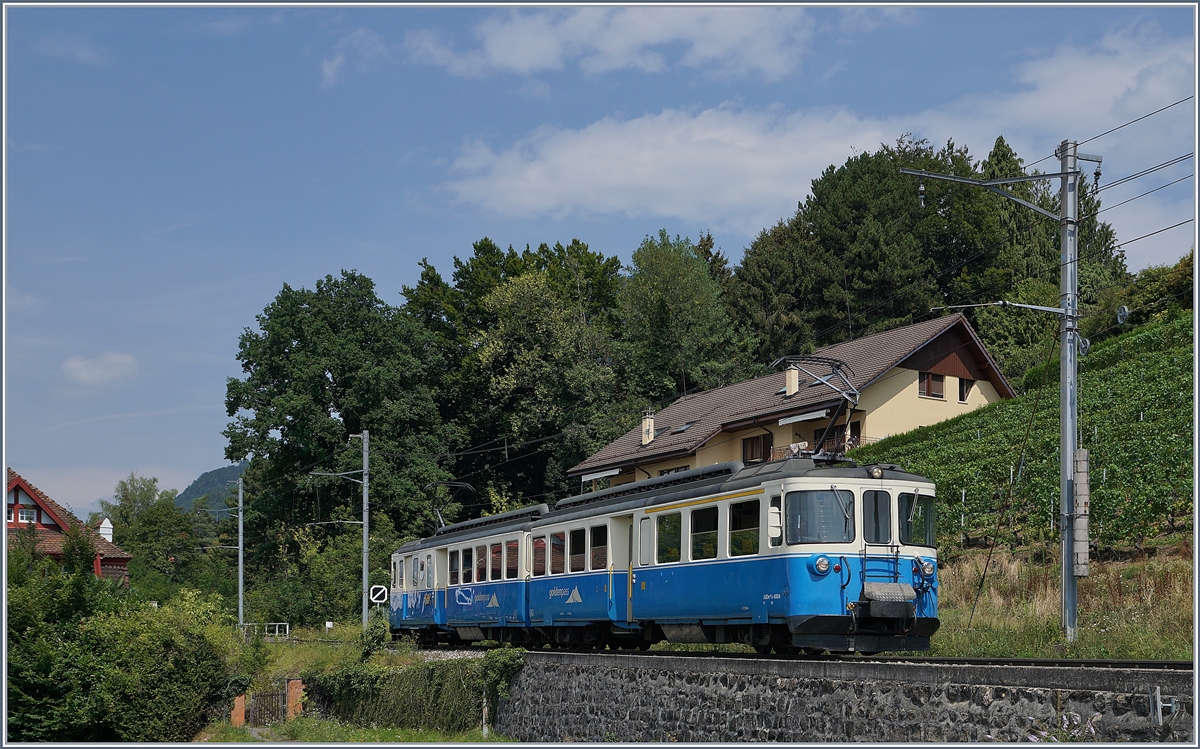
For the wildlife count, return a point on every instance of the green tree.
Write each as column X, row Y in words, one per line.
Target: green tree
column 323, row 365
column 675, row 332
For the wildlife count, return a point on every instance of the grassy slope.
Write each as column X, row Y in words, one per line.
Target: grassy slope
column 1135, row 418
column 1137, row 421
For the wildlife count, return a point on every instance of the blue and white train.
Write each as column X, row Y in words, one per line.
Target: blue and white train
column 788, row 555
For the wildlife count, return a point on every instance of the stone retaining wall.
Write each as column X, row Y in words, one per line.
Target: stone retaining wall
column 614, row 697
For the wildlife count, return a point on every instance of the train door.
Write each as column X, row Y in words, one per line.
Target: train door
column 880, row 546
column 620, row 592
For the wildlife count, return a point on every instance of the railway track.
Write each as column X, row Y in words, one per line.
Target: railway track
column 923, row 660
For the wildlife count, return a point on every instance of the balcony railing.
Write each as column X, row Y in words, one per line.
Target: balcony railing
column 833, row 445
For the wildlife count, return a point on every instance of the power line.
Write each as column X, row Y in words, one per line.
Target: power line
column 1115, row 129
column 1135, row 197
column 1144, row 172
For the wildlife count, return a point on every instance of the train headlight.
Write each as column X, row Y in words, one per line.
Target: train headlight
column 876, row 472
column 927, row 568
column 822, row 565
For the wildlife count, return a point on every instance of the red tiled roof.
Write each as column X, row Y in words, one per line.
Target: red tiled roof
column 50, row 541
column 869, row 358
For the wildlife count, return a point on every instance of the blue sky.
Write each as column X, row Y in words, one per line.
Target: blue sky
column 168, row 169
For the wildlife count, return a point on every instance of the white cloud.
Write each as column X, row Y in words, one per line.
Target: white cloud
column 727, row 41
column 742, row 169
column 24, row 303
column 362, row 47
column 107, row 367
column 73, row 47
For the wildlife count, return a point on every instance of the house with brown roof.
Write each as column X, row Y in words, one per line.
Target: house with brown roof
column 841, row 396
column 28, row 505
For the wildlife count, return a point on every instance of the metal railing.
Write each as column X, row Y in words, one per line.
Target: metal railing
column 833, row 445
column 271, row 631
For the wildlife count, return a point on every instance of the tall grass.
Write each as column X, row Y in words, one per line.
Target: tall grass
column 1135, row 610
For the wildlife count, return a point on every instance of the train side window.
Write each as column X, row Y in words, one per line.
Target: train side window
column 558, row 553
column 481, row 564
column 599, row 555
column 428, row 570
column 775, row 522
column 539, row 556
column 497, row 562
column 578, row 549
column 454, row 568
column 704, row 533
column 512, row 560
column 466, row 565
column 743, row 528
column 916, row 519
column 877, row 517
column 819, row 516
column 416, row 572
column 646, row 541
column 669, row 541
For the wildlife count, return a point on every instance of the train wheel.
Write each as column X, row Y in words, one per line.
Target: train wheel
column 762, row 649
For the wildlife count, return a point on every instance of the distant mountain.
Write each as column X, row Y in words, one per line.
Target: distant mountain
column 216, row 484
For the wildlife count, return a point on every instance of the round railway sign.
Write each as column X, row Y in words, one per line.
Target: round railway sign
column 378, row 593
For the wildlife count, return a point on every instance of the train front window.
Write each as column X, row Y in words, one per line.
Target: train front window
column 916, row 519
column 877, row 517
column 819, row 516
column 704, row 533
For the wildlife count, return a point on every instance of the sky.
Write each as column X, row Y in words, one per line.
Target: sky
column 168, row 169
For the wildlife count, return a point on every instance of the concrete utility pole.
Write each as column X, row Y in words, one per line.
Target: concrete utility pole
column 241, row 558
column 366, row 440
column 1073, row 513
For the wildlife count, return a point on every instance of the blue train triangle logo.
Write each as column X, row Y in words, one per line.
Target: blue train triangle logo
column 574, row 597
column 493, row 604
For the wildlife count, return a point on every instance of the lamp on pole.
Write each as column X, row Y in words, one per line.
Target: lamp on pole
column 1072, row 512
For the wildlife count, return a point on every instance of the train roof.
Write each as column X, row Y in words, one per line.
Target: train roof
column 675, row 487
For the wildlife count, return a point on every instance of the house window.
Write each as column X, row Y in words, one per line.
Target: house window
column 964, row 389
column 932, row 385
column 10, row 514
column 756, row 448
column 27, row 515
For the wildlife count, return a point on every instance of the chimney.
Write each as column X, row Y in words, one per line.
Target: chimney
column 793, row 381
column 647, row 427
column 106, row 529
